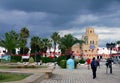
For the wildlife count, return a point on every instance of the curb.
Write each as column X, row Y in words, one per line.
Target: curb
column 35, row 78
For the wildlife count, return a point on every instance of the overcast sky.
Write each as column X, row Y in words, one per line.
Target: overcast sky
column 43, row 17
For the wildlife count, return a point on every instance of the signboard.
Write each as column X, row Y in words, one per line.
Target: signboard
column 25, row 57
column 92, row 46
column 5, row 58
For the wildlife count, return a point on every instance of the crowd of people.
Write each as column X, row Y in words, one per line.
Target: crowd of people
column 95, row 63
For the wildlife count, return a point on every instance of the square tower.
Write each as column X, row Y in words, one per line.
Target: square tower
column 90, row 46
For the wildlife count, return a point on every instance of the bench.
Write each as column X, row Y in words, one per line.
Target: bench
column 35, row 78
column 47, row 71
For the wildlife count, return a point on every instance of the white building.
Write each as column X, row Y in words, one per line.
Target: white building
column 1, row 51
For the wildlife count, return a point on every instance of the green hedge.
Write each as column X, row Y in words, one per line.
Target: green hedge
column 60, row 58
column 63, row 64
column 36, row 58
column 47, row 59
column 82, row 61
column 76, row 62
column 25, row 60
column 16, row 58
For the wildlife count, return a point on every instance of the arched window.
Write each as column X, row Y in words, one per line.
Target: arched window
column 91, row 42
column 90, row 31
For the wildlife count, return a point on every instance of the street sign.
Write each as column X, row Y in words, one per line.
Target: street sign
column 92, row 46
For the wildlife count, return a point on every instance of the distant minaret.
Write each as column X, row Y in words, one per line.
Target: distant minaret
column 91, row 43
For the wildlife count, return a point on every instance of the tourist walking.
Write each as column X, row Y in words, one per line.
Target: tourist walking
column 70, row 63
column 109, row 65
column 94, row 67
column 98, row 61
column 88, row 63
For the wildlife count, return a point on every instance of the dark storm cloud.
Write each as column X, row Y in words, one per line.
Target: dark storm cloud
column 57, row 6
column 66, row 10
column 42, row 17
column 51, row 6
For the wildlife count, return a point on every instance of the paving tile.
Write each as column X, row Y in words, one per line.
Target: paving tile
column 83, row 75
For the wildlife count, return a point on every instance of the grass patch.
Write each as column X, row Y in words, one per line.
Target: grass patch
column 7, row 77
column 4, row 67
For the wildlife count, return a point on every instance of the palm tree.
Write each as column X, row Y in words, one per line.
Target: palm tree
column 22, row 44
column 10, row 41
column 24, row 34
column 67, row 42
column 55, row 37
column 118, row 42
column 46, row 44
column 35, row 45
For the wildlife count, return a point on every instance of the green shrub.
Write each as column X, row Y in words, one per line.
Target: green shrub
column 45, row 59
column 36, row 57
column 63, row 64
column 13, row 51
column 25, row 60
column 52, row 60
column 76, row 62
column 16, row 58
column 60, row 58
column 31, row 60
column 82, row 61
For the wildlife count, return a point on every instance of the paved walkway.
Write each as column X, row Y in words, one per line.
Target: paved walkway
column 83, row 75
column 79, row 75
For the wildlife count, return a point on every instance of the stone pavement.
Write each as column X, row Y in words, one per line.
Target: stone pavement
column 36, row 76
column 83, row 75
column 79, row 75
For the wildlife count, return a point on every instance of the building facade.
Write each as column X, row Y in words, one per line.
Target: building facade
column 76, row 49
column 90, row 47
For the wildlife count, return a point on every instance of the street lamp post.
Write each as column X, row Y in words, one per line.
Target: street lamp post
column 110, row 46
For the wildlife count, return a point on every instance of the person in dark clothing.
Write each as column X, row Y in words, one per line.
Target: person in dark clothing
column 109, row 64
column 94, row 67
column 98, row 61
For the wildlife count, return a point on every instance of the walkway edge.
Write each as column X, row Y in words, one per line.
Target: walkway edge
column 35, row 78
